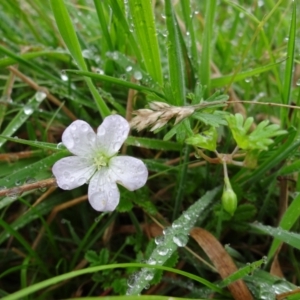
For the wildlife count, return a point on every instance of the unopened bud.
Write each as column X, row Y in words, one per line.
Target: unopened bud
column 229, row 200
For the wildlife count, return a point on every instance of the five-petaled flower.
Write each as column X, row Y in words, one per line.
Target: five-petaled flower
column 95, row 162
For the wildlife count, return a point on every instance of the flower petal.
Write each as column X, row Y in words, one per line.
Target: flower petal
column 112, row 133
column 73, row 171
column 128, row 171
column 80, row 138
column 103, row 193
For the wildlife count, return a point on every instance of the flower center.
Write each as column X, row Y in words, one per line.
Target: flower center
column 100, row 161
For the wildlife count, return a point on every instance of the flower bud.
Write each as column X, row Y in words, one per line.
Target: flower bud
column 229, row 200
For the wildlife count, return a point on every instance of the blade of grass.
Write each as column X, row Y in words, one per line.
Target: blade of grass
column 103, row 23
column 226, row 79
column 175, row 61
column 144, row 26
column 289, row 218
column 20, row 118
column 181, row 182
column 204, row 70
column 288, row 73
column 117, row 81
column 69, row 36
column 24, row 243
column 290, row 238
column 38, row 286
column 153, row 144
column 123, row 24
column 188, row 19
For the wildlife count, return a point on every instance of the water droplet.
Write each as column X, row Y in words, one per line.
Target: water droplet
column 84, row 127
column 73, row 126
column 128, row 69
column 14, row 193
column 167, row 231
column 40, row 96
column 187, row 215
column 42, row 188
column 137, row 75
column 86, row 53
column 99, row 71
column 81, row 181
column 91, row 136
column 298, row 82
column 247, row 80
column 159, row 239
column 180, row 240
column 18, row 182
column 151, row 261
column 60, row 146
column 149, row 274
column 136, row 143
column 131, row 280
column 162, row 250
column 101, row 130
column 28, row 110
column 2, row 187
column 30, row 180
column 65, row 187
column 66, row 174
column 176, row 225
column 64, row 76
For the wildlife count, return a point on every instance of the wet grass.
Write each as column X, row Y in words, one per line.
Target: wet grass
column 67, row 60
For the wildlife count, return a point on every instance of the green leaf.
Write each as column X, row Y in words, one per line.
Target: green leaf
column 206, row 140
column 215, row 119
column 244, row 212
column 280, row 153
column 125, row 201
column 91, row 256
column 259, row 139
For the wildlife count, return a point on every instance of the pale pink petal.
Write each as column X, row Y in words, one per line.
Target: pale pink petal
column 112, row 133
column 72, row 172
column 128, row 171
column 80, row 138
column 103, row 193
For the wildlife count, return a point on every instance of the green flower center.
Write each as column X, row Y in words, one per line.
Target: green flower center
column 100, row 160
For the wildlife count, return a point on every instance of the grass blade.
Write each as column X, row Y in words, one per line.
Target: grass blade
column 69, row 36
column 288, row 74
column 288, row 220
column 176, row 70
column 206, row 45
column 143, row 20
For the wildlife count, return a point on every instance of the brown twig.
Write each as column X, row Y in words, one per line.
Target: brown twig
column 18, row 190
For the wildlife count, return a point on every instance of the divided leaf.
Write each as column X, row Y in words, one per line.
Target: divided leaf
column 259, row 139
column 206, row 140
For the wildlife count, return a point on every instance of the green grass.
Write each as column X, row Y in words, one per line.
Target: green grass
column 96, row 58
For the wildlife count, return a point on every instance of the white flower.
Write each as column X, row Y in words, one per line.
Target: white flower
column 96, row 162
